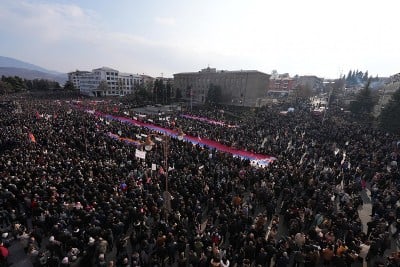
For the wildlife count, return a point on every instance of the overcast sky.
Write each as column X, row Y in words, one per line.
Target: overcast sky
column 319, row 37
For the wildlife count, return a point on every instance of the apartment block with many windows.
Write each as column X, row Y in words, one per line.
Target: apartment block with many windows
column 242, row 87
column 105, row 82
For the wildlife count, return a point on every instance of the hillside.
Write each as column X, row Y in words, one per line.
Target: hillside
column 13, row 67
column 32, row 74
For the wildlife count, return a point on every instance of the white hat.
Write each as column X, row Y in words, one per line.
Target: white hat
column 4, row 235
column 51, row 239
column 91, row 240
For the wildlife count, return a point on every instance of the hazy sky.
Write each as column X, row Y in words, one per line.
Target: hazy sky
column 320, row 37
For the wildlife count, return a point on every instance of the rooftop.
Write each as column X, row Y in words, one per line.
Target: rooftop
column 213, row 70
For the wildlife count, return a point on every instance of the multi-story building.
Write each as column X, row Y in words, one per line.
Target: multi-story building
column 281, row 85
column 311, row 82
column 105, row 82
column 244, row 87
column 391, row 85
column 73, row 77
column 166, row 81
column 148, row 82
column 127, row 83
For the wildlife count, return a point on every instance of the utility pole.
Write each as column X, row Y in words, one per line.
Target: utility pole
column 167, row 195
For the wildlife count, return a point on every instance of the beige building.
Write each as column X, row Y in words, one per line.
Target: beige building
column 244, row 87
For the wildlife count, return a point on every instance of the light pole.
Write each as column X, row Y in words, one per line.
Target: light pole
column 148, row 146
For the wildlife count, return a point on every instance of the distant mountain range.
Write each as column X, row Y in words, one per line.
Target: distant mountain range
column 13, row 67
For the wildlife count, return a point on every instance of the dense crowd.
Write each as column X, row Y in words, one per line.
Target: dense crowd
column 73, row 196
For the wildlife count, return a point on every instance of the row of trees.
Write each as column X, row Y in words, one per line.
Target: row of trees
column 214, row 95
column 365, row 103
column 358, row 78
column 157, row 92
column 389, row 118
column 15, row 84
column 162, row 93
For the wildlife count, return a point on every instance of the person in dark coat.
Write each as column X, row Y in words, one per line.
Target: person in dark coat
column 282, row 260
column 262, row 258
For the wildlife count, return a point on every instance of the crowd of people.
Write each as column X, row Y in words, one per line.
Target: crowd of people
column 73, row 196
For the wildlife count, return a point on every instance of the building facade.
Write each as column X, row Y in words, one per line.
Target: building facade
column 311, row 82
column 243, row 87
column 391, row 85
column 127, row 83
column 73, row 77
column 148, row 82
column 105, row 82
column 280, row 85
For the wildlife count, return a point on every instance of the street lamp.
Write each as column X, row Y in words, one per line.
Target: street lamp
column 148, row 146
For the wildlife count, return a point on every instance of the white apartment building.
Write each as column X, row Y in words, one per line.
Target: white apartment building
column 128, row 82
column 74, row 78
column 105, row 82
